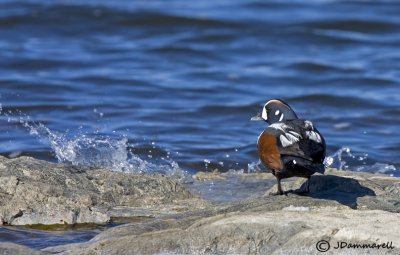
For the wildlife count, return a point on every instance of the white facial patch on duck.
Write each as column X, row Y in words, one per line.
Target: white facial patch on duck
column 264, row 114
column 281, row 118
column 312, row 135
column 277, row 112
column 294, row 161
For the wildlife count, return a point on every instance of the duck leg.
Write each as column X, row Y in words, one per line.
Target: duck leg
column 279, row 192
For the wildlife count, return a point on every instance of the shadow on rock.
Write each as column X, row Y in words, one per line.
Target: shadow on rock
column 343, row 190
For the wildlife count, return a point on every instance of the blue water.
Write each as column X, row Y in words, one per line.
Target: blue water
column 164, row 85
column 179, row 81
column 39, row 239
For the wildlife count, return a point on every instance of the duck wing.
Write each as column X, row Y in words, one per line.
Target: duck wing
column 298, row 138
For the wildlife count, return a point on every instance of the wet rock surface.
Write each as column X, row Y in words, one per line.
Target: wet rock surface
column 39, row 192
column 351, row 207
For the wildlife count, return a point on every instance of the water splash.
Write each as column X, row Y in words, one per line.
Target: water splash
column 345, row 159
column 255, row 167
column 94, row 150
column 337, row 160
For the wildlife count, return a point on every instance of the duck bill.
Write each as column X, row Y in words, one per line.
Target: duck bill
column 257, row 117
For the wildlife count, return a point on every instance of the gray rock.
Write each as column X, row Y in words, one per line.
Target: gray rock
column 38, row 192
column 351, row 207
column 15, row 249
column 294, row 230
column 341, row 207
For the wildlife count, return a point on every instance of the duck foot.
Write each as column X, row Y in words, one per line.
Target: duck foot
column 279, row 193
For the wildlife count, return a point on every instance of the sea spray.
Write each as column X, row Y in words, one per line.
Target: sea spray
column 94, row 150
column 337, row 159
column 255, row 167
column 345, row 159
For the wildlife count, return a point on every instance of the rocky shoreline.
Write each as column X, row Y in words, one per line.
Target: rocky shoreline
column 38, row 192
column 341, row 208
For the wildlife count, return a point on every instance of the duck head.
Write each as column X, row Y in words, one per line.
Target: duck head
column 275, row 110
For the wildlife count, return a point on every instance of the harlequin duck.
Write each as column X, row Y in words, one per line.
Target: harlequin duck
column 289, row 146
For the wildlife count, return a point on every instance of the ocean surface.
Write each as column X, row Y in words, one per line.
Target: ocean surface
column 166, row 86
